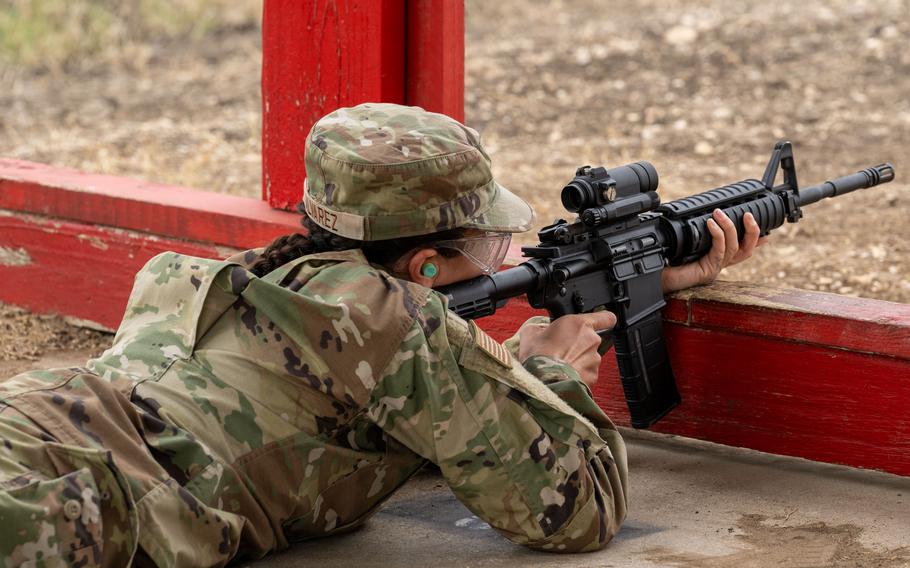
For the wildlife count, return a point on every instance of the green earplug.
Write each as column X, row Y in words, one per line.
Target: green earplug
column 429, row 270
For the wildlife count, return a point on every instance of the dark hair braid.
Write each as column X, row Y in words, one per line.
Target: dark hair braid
column 286, row 248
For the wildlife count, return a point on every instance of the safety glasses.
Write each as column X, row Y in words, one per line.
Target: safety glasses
column 487, row 251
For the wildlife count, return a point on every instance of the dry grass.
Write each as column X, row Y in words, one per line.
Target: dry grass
column 169, row 93
column 703, row 89
column 62, row 34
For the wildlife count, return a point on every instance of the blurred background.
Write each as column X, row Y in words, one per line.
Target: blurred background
column 168, row 90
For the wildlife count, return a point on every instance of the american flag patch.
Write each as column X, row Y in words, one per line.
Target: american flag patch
column 491, row 347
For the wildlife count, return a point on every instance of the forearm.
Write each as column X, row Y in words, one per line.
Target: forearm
column 561, row 378
column 566, row 383
column 514, row 452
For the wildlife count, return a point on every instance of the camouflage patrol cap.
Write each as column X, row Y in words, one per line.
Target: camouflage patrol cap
column 381, row 171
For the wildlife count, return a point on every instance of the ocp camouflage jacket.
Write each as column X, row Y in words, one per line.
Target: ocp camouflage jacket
column 235, row 414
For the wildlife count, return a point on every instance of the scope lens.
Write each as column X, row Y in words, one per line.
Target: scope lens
column 577, row 195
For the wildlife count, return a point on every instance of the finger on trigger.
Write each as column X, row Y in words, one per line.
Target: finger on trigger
column 600, row 320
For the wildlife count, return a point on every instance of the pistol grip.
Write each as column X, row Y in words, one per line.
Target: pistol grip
column 606, row 341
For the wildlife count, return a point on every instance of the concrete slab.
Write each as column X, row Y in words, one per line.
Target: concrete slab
column 693, row 504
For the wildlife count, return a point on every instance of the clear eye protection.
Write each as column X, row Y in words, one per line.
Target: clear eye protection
column 486, row 251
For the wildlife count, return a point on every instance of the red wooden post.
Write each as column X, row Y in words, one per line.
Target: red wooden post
column 319, row 55
column 435, row 51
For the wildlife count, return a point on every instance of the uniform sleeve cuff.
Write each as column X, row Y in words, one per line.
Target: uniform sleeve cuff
column 549, row 369
column 567, row 384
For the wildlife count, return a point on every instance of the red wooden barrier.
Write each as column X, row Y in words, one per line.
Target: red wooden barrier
column 70, row 242
column 807, row 374
column 435, row 56
column 816, row 375
column 323, row 54
column 317, row 56
column 77, row 269
column 155, row 208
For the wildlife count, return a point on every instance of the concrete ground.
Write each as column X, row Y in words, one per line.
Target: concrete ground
column 693, row 504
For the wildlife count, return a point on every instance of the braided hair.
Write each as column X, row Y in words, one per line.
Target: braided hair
column 384, row 253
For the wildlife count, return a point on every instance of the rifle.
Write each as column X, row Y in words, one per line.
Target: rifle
column 612, row 255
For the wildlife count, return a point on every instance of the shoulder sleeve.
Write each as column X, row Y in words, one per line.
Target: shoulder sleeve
column 175, row 298
column 513, row 451
column 246, row 258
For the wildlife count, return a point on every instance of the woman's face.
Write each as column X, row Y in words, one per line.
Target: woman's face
column 456, row 268
column 449, row 269
column 476, row 254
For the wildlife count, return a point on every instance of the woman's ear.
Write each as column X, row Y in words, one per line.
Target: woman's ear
column 424, row 267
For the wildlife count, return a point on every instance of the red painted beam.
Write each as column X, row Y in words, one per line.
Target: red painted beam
column 154, row 208
column 77, row 269
column 807, row 374
column 318, row 55
column 71, row 242
column 435, row 56
column 821, row 319
column 788, row 397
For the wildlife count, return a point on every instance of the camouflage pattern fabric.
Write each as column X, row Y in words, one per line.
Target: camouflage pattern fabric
column 234, row 415
column 381, row 171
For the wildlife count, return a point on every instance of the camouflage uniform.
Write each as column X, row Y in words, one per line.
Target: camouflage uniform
column 235, row 414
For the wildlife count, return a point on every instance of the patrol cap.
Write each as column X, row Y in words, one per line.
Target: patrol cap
column 381, row 171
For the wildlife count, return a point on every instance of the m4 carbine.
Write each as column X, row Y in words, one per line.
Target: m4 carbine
column 612, row 255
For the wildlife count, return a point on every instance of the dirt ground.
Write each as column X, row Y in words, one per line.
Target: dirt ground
column 25, row 336
column 701, row 88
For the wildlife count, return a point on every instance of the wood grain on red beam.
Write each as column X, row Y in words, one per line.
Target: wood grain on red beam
column 783, row 397
column 318, row 56
column 435, row 56
column 820, row 318
column 159, row 209
column 812, row 375
column 75, row 269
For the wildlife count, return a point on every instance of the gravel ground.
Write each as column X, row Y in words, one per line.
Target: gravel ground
column 701, row 88
column 25, row 336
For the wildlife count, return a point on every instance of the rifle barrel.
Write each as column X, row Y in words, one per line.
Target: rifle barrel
column 882, row 173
